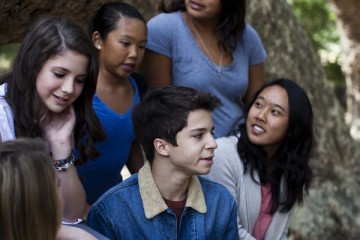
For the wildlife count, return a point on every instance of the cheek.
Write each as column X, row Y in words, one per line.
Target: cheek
column 78, row 89
column 281, row 130
column 140, row 57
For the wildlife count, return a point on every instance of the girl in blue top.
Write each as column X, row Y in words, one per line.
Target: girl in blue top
column 119, row 33
column 207, row 46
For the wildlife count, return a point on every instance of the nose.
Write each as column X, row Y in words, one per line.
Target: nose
column 133, row 53
column 211, row 144
column 68, row 86
column 261, row 116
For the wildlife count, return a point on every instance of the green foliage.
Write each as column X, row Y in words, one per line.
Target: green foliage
column 319, row 22
column 7, row 54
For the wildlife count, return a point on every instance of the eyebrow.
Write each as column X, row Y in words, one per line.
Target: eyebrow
column 68, row 70
column 201, row 129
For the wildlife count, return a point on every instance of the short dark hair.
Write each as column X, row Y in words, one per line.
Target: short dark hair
column 293, row 154
column 164, row 112
column 106, row 18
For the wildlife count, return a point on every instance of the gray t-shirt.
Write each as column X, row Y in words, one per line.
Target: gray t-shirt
column 169, row 35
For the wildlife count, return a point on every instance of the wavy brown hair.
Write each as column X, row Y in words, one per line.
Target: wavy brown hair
column 48, row 37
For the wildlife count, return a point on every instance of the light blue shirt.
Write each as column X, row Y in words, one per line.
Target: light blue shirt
column 169, row 35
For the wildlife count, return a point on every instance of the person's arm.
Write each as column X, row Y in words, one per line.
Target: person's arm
column 66, row 232
column 157, row 69
column 256, row 80
column 136, row 158
column 99, row 220
column 58, row 131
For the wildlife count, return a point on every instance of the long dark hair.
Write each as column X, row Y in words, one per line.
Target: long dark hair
column 46, row 38
column 231, row 23
column 292, row 157
column 107, row 17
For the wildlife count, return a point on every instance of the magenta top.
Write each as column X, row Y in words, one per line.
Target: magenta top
column 264, row 218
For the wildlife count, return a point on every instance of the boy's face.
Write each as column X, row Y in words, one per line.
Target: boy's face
column 196, row 145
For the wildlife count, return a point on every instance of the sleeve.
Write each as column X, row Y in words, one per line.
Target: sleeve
column 98, row 220
column 6, row 122
column 227, row 170
column 286, row 228
column 232, row 233
column 160, row 34
column 254, row 46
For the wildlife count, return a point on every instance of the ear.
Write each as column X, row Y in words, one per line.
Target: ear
column 96, row 38
column 161, row 147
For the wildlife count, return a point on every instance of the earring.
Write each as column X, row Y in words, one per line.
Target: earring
column 98, row 47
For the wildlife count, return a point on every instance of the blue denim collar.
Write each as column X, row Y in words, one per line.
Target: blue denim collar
column 152, row 200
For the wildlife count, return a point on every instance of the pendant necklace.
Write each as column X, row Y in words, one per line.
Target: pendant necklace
column 217, row 68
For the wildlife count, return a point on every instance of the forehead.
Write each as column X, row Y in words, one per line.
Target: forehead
column 275, row 95
column 130, row 25
column 70, row 60
column 199, row 120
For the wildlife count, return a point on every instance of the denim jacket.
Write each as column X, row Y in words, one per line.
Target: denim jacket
column 134, row 209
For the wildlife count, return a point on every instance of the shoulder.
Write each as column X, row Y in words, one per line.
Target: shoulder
column 164, row 24
column 227, row 146
column 163, row 19
column 227, row 142
column 250, row 32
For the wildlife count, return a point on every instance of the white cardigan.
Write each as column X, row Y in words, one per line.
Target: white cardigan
column 228, row 170
column 6, row 118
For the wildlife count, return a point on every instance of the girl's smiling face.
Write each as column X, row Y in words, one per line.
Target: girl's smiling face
column 60, row 80
column 268, row 119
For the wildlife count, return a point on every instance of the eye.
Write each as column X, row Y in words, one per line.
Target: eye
column 257, row 104
column 275, row 112
column 142, row 46
column 198, row 136
column 58, row 74
column 125, row 43
column 80, row 80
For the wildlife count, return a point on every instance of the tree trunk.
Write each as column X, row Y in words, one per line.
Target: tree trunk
column 348, row 23
column 332, row 209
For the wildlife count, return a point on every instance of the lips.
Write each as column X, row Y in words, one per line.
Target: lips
column 195, row 5
column 256, row 129
column 61, row 100
column 209, row 158
column 128, row 67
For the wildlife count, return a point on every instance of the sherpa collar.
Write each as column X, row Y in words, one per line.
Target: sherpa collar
column 153, row 202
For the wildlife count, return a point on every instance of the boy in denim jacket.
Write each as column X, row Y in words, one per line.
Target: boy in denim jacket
column 166, row 199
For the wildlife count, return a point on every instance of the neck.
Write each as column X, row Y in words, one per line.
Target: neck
column 203, row 25
column 172, row 185
column 107, row 78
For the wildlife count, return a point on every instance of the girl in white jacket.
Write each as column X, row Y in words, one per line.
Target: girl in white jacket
column 266, row 165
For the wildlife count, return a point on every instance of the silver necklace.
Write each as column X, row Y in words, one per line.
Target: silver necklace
column 217, row 68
